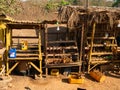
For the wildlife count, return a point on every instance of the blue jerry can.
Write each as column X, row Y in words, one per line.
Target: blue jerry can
column 12, row 53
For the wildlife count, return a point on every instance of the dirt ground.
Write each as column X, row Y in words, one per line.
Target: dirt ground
column 112, row 82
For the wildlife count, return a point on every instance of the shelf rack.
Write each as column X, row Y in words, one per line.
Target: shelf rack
column 101, row 43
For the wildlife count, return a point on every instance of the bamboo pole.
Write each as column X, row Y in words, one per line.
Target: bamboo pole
column 91, row 46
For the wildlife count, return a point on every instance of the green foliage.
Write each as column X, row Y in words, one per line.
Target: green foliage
column 73, row 2
column 51, row 5
column 117, row 2
column 97, row 2
column 63, row 3
column 100, row 3
column 68, row 2
column 9, row 6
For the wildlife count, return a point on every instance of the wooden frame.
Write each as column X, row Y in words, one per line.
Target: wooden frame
column 18, row 60
column 79, row 60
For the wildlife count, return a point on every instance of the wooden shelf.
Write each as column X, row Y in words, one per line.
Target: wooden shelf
column 101, row 45
column 28, row 58
column 103, row 61
column 61, row 42
column 29, row 46
column 26, row 54
column 99, row 32
column 102, row 53
column 102, row 37
column 66, row 54
column 27, row 51
column 63, row 65
column 57, row 48
column 24, row 37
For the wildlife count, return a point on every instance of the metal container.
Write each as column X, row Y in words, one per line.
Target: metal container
column 54, row 72
column 24, row 45
column 12, row 53
column 75, row 79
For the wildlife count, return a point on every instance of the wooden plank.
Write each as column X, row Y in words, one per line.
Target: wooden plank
column 56, row 48
column 101, row 45
column 22, row 51
column 63, row 65
column 100, row 62
column 104, row 61
column 100, row 32
column 38, row 69
column 26, row 54
column 15, row 44
column 28, row 58
column 62, row 41
column 24, row 37
column 91, row 44
column 35, row 46
column 102, row 37
column 66, row 54
column 102, row 53
column 13, row 67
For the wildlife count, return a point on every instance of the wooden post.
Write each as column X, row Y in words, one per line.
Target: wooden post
column 91, row 46
column 86, row 4
column 40, row 53
column 81, row 47
column 11, row 37
column 67, row 34
column 46, row 40
column 8, row 39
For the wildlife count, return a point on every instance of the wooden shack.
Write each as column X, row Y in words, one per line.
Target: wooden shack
column 99, row 42
column 61, row 50
column 25, row 47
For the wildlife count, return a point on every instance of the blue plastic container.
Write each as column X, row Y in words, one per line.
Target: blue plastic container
column 12, row 53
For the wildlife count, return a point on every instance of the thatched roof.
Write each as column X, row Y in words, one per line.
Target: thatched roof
column 76, row 14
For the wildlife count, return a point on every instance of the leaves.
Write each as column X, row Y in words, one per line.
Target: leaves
column 116, row 3
column 9, row 6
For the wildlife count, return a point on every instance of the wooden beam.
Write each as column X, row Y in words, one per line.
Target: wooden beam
column 11, row 69
column 40, row 53
column 35, row 67
column 22, row 58
column 8, row 38
column 81, row 46
column 91, row 48
column 94, row 66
